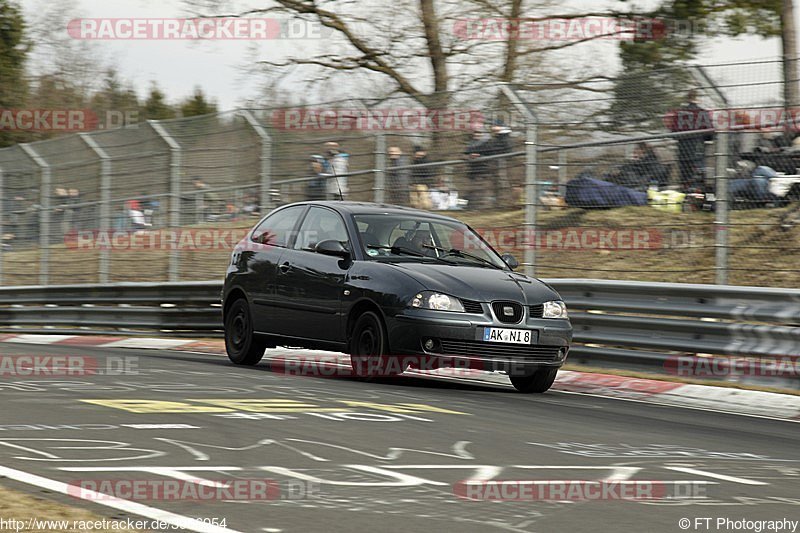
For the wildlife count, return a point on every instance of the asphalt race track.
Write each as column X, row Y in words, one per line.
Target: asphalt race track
column 351, row 455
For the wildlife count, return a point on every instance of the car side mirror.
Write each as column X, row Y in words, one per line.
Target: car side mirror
column 511, row 261
column 332, row 247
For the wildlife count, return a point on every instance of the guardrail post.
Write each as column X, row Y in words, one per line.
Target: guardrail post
column 44, row 213
column 563, row 176
column 105, row 201
column 531, row 177
column 380, row 168
column 175, row 165
column 265, row 158
column 721, row 208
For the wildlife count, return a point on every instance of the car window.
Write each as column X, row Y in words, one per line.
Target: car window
column 402, row 235
column 411, row 232
column 320, row 225
column 276, row 229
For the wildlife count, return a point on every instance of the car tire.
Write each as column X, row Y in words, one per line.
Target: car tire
column 243, row 347
column 368, row 345
column 537, row 382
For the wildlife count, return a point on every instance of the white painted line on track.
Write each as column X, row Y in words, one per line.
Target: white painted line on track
column 714, row 475
column 180, row 521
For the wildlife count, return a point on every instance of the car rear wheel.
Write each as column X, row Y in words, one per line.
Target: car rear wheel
column 368, row 347
column 243, row 347
column 537, row 382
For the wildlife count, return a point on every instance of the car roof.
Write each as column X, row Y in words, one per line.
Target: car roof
column 369, row 208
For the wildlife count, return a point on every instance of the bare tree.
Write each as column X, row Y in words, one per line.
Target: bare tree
column 412, row 47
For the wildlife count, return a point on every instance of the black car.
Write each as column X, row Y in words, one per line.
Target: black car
column 383, row 282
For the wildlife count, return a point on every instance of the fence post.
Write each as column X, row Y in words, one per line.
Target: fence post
column 531, row 178
column 105, row 201
column 44, row 213
column 380, row 168
column 721, row 208
column 265, row 158
column 2, row 215
column 175, row 164
column 531, row 196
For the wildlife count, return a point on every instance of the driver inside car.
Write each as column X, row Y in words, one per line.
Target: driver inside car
column 422, row 239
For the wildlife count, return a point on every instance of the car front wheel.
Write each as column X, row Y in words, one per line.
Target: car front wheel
column 243, row 347
column 537, row 382
column 368, row 347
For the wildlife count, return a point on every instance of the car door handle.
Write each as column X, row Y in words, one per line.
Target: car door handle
column 286, row 267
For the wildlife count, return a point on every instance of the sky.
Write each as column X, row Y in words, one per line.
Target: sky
column 218, row 67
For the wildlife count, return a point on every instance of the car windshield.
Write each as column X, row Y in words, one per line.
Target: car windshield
column 387, row 236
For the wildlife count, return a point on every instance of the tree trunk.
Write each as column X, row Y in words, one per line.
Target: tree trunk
column 439, row 101
column 791, row 91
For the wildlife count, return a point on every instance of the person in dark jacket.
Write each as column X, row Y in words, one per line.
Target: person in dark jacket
column 643, row 170
column 397, row 179
column 424, row 175
column 477, row 169
column 499, row 143
column 316, row 188
column 691, row 148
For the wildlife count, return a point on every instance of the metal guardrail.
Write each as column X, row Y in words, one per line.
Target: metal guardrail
column 174, row 309
column 617, row 323
column 629, row 324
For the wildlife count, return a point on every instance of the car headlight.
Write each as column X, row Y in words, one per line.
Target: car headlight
column 555, row 309
column 437, row 301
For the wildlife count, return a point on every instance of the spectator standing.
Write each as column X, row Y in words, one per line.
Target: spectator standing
column 207, row 203
column 337, row 163
column 316, row 188
column 499, row 143
column 422, row 175
column 397, row 182
column 477, row 169
column 73, row 213
column 691, row 148
column 60, row 219
column 136, row 214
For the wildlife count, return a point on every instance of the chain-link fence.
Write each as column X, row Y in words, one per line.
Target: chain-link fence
column 684, row 175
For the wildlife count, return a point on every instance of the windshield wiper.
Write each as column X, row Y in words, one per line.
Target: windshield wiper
column 455, row 252
column 397, row 250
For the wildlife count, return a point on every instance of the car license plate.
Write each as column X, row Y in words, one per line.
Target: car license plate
column 514, row 336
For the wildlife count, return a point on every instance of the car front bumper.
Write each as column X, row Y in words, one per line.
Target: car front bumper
column 458, row 341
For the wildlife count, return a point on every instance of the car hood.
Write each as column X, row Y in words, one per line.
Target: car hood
column 477, row 283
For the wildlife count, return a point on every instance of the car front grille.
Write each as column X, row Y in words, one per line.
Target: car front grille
column 536, row 311
column 493, row 350
column 471, row 306
column 501, row 308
